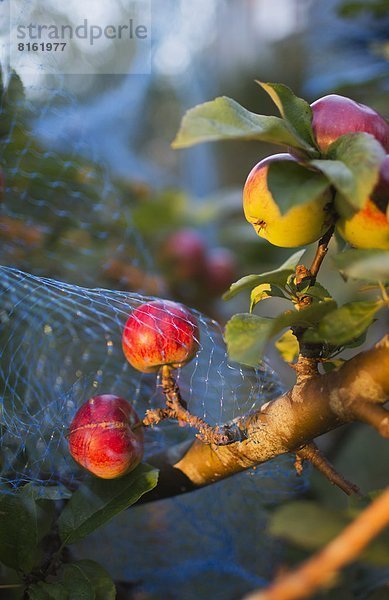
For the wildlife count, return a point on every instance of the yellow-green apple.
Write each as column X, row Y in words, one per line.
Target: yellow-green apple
column 160, row 333
column 335, row 115
column 104, row 437
column 369, row 227
column 300, row 225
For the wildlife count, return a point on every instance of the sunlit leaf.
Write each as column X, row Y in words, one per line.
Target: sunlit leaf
column 277, row 277
column 288, row 346
column 98, row 500
column 224, row 119
column 292, row 184
column 352, row 167
column 246, row 336
column 296, row 111
column 264, row 291
column 367, row 265
column 344, row 324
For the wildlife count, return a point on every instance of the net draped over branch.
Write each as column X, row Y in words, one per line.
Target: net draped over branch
column 61, row 344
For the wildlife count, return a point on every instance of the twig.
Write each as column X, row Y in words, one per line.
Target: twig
column 284, row 425
column 177, row 409
column 346, row 547
column 302, row 273
column 374, row 415
column 321, row 253
column 298, row 465
column 10, row 586
column 312, row 453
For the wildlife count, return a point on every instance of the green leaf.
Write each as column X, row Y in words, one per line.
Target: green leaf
column 292, row 184
column 367, row 265
column 306, row 317
column 47, row 591
column 288, row 346
column 296, row 111
column 225, row 119
column 98, row 500
column 264, row 291
column 310, row 526
column 19, row 533
column 44, row 509
column 344, row 324
column 81, row 580
column 338, row 174
column 77, row 582
column 277, row 277
column 331, row 365
column 306, row 524
column 318, row 292
column 46, row 492
column 246, row 336
column 92, row 572
column 353, row 168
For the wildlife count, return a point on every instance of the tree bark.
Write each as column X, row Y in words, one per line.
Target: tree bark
column 312, row 407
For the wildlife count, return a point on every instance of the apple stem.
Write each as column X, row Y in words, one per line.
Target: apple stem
column 312, row 453
column 137, row 426
column 176, row 408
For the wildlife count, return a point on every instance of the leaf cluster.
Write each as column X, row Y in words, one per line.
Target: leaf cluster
column 30, row 515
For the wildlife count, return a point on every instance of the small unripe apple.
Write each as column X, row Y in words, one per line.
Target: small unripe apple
column 302, row 224
column 160, row 333
column 184, row 254
column 335, row 115
column 101, row 437
column 220, row 270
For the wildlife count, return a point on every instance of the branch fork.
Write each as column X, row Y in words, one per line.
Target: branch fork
column 176, row 408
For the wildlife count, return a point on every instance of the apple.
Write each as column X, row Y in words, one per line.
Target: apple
column 300, row 225
column 369, row 227
column 220, row 270
column 160, row 332
column 335, row 115
column 102, row 439
column 184, row 254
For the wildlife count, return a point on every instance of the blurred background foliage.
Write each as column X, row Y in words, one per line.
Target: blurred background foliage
column 94, row 195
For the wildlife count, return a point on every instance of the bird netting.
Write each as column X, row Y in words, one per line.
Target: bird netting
column 60, row 345
column 61, row 213
column 62, row 219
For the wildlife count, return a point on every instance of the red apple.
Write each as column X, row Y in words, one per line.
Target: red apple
column 160, row 333
column 101, row 437
column 220, row 270
column 183, row 254
column 335, row 115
